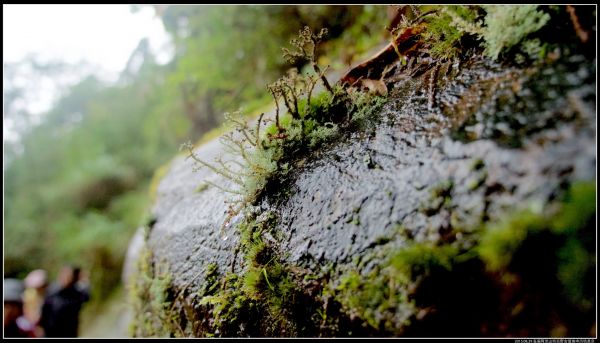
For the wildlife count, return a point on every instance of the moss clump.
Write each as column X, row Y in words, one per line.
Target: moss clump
column 577, row 257
column 379, row 302
column 500, row 241
column 267, row 288
column 230, row 309
column 421, row 259
column 449, row 30
column 528, row 263
column 567, row 234
column 152, row 297
column 385, row 299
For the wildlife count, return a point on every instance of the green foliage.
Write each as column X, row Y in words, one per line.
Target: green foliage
column 223, row 53
column 446, row 28
column 507, row 26
column 356, row 40
column 229, row 306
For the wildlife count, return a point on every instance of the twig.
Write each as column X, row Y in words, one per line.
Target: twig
column 432, row 83
column 581, row 33
column 258, row 130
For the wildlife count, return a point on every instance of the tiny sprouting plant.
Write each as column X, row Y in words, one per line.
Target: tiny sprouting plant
column 264, row 152
column 306, row 48
column 249, row 174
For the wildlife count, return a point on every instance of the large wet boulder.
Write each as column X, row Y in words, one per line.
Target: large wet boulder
column 443, row 215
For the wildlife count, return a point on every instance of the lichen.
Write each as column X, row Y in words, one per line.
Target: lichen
column 507, row 26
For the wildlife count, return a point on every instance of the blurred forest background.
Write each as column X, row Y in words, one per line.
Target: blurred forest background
column 77, row 178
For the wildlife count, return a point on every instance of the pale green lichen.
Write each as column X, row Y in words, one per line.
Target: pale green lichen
column 509, row 25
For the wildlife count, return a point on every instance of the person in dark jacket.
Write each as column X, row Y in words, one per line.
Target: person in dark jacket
column 60, row 312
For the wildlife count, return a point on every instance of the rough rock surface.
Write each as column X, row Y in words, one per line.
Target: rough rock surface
column 186, row 233
column 484, row 140
column 352, row 196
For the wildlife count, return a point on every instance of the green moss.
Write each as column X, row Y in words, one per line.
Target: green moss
column 321, row 134
column 446, row 28
column 383, row 298
column 228, row 308
column 151, row 297
column 364, row 108
column 576, row 263
column 500, row 241
column 420, row 259
column 577, row 257
column 211, row 280
column 452, row 30
column 374, row 299
column 267, row 289
column 413, row 279
column 268, row 155
column 578, row 206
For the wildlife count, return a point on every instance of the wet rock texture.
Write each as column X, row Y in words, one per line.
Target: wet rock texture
column 522, row 135
column 187, row 217
column 456, row 144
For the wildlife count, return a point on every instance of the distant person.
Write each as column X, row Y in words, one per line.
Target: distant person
column 15, row 324
column 36, row 284
column 60, row 312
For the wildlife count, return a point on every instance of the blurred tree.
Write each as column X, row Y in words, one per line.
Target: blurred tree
column 76, row 175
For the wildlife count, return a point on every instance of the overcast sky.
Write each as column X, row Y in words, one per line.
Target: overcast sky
column 101, row 34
